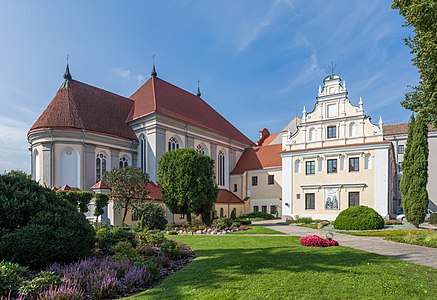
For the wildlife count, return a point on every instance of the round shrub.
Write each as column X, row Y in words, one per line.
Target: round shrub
column 152, row 216
column 359, row 218
column 107, row 238
column 37, row 227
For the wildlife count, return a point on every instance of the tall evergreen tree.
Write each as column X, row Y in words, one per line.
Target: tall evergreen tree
column 415, row 173
column 406, row 165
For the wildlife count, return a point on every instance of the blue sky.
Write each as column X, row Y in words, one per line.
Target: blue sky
column 259, row 62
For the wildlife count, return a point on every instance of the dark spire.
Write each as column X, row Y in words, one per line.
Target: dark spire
column 154, row 73
column 198, row 89
column 67, row 77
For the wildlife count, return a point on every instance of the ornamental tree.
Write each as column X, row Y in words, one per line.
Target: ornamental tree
column 187, row 180
column 128, row 187
column 101, row 202
column 415, row 172
column 422, row 17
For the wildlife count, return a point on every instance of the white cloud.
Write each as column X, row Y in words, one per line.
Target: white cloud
column 253, row 29
column 127, row 75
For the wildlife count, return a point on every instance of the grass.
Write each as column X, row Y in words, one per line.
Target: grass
column 255, row 229
column 277, row 267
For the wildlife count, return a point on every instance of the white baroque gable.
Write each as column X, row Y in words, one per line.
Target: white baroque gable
column 334, row 121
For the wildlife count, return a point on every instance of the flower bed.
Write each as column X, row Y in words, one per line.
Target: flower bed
column 316, row 241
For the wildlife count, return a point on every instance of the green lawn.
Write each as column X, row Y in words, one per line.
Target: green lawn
column 255, row 229
column 277, row 267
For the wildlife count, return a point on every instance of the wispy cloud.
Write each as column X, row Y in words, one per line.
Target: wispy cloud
column 311, row 70
column 127, row 75
column 252, row 30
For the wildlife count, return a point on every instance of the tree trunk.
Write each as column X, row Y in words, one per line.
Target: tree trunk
column 125, row 212
column 189, row 218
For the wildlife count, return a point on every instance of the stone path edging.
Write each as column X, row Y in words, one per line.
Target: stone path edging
column 411, row 253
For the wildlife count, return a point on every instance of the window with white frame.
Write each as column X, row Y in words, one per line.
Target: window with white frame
column 142, row 152
column 173, row 144
column 100, row 166
column 201, row 149
column 332, row 132
column 401, row 149
column 221, row 168
column 124, row 162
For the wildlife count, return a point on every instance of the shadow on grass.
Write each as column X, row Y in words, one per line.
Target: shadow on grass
column 226, row 264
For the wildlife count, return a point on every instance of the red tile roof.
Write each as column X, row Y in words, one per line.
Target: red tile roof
column 270, row 138
column 157, row 95
column 225, row 196
column 256, row 158
column 100, row 186
column 401, row 128
column 155, row 192
column 85, row 107
column 64, row 188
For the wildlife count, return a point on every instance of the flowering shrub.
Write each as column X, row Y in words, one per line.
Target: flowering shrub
column 102, row 277
column 64, row 292
column 316, row 241
column 243, row 227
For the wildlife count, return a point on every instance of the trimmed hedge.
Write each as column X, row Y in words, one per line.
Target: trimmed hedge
column 359, row 218
column 37, row 227
column 433, row 219
column 258, row 215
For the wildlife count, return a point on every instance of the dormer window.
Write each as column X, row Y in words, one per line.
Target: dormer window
column 332, row 132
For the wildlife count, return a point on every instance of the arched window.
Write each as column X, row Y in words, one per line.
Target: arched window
column 142, row 153
column 201, row 149
column 173, row 144
column 297, row 166
column 221, row 168
column 124, row 162
column 100, row 166
column 311, row 134
column 221, row 213
column 352, row 129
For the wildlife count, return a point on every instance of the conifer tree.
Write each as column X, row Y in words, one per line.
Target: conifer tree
column 415, row 173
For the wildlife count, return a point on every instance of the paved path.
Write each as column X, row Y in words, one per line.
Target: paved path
column 411, row 253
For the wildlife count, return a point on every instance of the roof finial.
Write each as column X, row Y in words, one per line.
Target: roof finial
column 332, row 67
column 154, row 73
column 198, row 89
column 380, row 123
column 67, row 75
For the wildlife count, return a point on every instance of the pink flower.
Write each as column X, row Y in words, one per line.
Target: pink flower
column 316, row 241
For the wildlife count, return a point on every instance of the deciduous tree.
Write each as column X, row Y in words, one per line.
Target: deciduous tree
column 187, row 180
column 128, row 187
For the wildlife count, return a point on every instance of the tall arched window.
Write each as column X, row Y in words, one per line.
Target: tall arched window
column 142, row 153
column 201, row 149
column 352, row 129
column 173, row 144
column 222, row 213
column 124, row 162
column 311, row 134
column 100, row 166
column 221, row 168
column 297, row 166
column 37, row 166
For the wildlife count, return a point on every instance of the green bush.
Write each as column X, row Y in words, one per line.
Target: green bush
column 236, row 224
column 222, row 223
column 151, row 238
column 10, row 277
column 78, row 198
column 42, row 281
column 152, row 216
column 244, row 221
column 359, row 218
column 124, row 251
column 304, row 220
column 37, row 227
column 170, row 248
column 433, row 219
column 152, row 265
column 259, row 215
column 109, row 238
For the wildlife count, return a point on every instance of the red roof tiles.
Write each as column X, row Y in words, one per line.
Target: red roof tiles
column 157, row 95
column 401, row 128
column 100, row 186
column 85, row 107
column 155, row 192
column 225, row 196
column 256, row 158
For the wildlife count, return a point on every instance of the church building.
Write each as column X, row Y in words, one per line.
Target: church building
column 331, row 158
